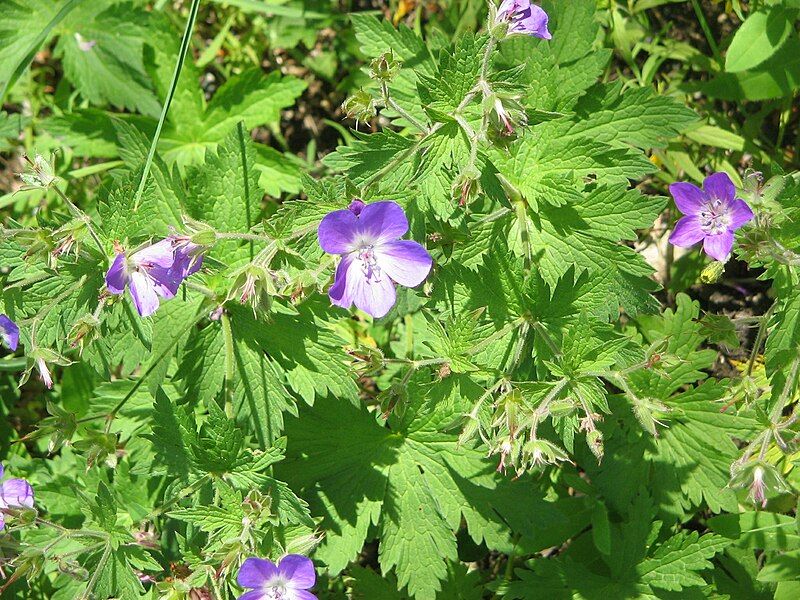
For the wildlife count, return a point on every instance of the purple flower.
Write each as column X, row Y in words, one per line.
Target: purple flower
column 9, row 332
column 524, row 18
column 14, row 493
column 154, row 271
column 373, row 256
column 713, row 214
column 291, row 579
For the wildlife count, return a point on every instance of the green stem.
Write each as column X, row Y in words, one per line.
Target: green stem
column 701, row 17
column 540, row 329
column 87, row 593
column 389, row 102
column 762, row 333
column 250, row 237
column 184, row 49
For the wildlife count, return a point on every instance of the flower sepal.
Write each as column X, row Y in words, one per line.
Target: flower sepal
column 759, row 477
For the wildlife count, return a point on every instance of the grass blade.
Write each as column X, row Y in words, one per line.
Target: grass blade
column 184, row 49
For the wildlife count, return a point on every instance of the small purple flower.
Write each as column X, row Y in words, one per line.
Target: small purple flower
column 524, row 18
column 14, row 493
column 154, row 271
column 373, row 256
column 291, row 579
column 9, row 332
column 712, row 214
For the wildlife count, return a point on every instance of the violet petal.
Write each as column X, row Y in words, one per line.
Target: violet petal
column 720, row 186
column 117, row 276
column 405, row 261
column 687, row 232
column 375, row 297
column 688, row 197
column 382, row 222
column 256, row 573
column 9, row 332
column 17, row 492
column 298, row 571
column 719, row 246
column 144, row 294
column 338, row 292
column 337, row 232
column 740, row 214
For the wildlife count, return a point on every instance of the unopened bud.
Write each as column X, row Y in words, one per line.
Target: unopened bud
column 466, row 186
column 713, row 271
column 594, row 439
column 648, row 411
column 384, row 68
column 85, row 331
column 39, row 173
column 360, row 106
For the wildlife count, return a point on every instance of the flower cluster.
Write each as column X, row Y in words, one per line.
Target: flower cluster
column 14, row 493
column 290, row 579
column 154, row 271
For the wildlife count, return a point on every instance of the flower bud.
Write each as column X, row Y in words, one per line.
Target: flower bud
column 384, row 68
column 360, row 106
column 539, row 453
column 85, row 331
column 712, row 272
column 254, row 285
column 69, row 238
column 39, row 173
column 506, row 113
column 594, row 439
column 648, row 411
column 466, row 186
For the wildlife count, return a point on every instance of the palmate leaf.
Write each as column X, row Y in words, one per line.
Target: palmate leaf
column 584, row 237
column 194, row 127
column 414, row 482
column 638, row 566
column 691, row 458
column 546, row 168
column 59, row 298
column 24, row 28
column 366, row 584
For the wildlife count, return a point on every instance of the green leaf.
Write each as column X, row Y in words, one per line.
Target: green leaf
column 103, row 56
column 783, row 567
column 675, row 564
column 759, row 37
column 777, row 77
column 719, row 329
column 225, row 192
column 784, row 339
column 250, row 97
column 758, row 530
column 415, row 483
column 22, row 34
column 638, row 117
